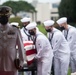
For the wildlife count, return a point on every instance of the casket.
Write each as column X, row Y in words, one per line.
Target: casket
column 30, row 51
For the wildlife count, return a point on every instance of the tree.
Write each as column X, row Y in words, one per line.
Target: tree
column 67, row 8
column 18, row 6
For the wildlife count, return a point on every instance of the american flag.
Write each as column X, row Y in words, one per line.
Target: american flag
column 30, row 51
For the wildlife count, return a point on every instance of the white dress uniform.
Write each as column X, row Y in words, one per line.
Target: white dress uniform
column 60, row 48
column 70, row 35
column 44, row 52
column 10, row 37
column 24, row 31
column 25, row 34
column 61, row 52
column 25, row 37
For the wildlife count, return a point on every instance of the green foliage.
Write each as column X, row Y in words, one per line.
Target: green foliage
column 16, row 19
column 69, row 72
column 18, row 6
column 67, row 8
column 42, row 29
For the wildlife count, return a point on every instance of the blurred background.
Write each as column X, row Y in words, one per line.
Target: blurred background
column 37, row 10
column 41, row 10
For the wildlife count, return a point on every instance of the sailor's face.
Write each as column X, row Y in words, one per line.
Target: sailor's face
column 4, row 19
column 62, row 25
column 48, row 28
column 25, row 24
column 31, row 32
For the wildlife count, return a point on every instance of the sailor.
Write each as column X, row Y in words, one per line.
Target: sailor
column 60, row 48
column 44, row 51
column 70, row 34
column 24, row 32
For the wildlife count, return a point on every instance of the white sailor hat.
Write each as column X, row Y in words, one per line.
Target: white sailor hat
column 25, row 19
column 14, row 23
column 31, row 26
column 48, row 23
column 62, row 20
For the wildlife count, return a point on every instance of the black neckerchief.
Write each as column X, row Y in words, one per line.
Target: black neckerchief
column 29, row 36
column 66, row 34
column 50, row 39
column 34, row 42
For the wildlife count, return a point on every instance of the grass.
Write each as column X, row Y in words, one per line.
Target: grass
column 69, row 72
column 42, row 29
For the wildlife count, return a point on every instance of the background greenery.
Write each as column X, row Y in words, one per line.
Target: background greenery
column 18, row 6
column 67, row 8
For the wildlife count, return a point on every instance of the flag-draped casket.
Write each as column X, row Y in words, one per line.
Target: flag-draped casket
column 30, row 51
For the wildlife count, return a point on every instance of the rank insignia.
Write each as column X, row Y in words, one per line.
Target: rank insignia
column 11, row 33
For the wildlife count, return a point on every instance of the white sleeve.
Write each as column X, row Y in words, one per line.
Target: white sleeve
column 57, row 41
column 72, row 39
column 40, row 47
column 20, row 48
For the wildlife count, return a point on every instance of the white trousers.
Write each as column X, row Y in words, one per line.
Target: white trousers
column 73, row 73
column 61, row 66
column 44, row 68
column 73, row 63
